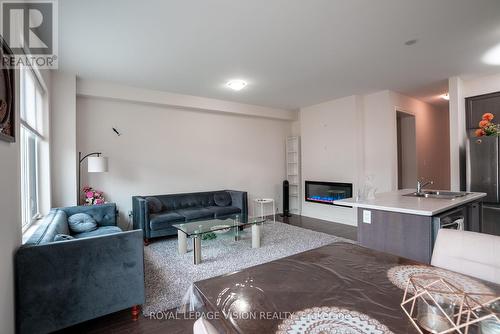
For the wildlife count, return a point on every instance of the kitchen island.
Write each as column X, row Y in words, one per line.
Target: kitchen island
column 406, row 225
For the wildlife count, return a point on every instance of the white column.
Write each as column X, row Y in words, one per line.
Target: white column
column 197, row 249
column 458, row 135
column 182, row 242
column 256, row 235
column 274, row 211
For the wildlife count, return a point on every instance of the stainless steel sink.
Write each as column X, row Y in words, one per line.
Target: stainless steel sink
column 437, row 194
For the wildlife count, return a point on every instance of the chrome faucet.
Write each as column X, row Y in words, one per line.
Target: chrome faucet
column 421, row 185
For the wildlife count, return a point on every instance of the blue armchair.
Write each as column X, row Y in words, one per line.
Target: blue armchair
column 62, row 283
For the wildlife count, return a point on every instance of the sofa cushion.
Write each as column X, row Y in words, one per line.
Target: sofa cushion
column 154, row 204
column 185, row 201
column 160, row 221
column 81, row 222
column 100, row 231
column 193, row 200
column 221, row 211
column 222, row 198
column 196, row 213
column 56, row 222
column 62, row 237
column 104, row 215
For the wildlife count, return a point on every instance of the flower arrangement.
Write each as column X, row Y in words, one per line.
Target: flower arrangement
column 487, row 127
column 93, row 197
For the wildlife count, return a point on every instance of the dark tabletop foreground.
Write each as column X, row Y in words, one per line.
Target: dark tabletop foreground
column 341, row 275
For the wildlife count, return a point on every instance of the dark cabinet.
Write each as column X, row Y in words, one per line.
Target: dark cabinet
column 401, row 234
column 474, row 217
column 413, row 236
column 491, row 222
column 478, row 105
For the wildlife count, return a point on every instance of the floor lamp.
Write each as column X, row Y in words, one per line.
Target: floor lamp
column 95, row 164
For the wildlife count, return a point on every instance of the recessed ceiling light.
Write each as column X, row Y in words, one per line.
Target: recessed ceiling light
column 445, row 96
column 492, row 57
column 411, row 42
column 236, row 84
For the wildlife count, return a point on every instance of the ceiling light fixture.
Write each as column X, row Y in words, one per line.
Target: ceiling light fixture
column 445, row 96
column 411, row 42
column 492, row 57
column 236, row 84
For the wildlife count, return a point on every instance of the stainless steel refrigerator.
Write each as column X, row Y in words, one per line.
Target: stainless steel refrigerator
column 483, row 176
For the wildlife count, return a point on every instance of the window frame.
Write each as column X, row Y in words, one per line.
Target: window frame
column 27, row 129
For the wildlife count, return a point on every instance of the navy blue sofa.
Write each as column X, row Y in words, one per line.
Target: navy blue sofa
column 62, row 283
column 156, row 214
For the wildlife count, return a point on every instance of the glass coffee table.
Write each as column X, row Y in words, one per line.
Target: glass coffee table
column 196, row 230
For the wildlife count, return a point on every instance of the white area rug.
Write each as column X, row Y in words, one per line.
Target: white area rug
column 169, row 275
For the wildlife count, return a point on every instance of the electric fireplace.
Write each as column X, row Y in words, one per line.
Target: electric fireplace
column 327, row 192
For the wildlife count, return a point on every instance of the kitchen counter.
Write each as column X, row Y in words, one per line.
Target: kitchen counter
column 408, row 226
column 395, row 202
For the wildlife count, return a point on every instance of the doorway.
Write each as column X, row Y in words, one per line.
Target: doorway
column 407, row 150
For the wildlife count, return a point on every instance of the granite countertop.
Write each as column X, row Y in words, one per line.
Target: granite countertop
column 395, row 201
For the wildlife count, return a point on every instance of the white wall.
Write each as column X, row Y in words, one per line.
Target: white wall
column 380, row 141
column 381, row 157
column 63, row 139
column 433, row 146
column 330, row 141
column 10, row 223
column 166, row 150
column 482, row 85
column 348, row 139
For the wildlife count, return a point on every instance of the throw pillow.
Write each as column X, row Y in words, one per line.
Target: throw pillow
column 62, row 237
column 222, row 198
column 81, row 222
column 154, row 204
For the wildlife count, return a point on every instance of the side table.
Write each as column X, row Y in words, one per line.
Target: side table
column 262, row 202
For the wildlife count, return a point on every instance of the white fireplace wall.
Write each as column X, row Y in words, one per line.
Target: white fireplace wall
column 331, row 152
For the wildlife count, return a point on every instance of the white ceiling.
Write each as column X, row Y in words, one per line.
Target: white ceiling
column 293, row 53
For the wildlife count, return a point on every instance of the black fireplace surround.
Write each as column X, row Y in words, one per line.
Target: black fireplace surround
column 327, row 192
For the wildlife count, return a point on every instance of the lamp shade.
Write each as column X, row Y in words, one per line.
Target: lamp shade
column 97, row 164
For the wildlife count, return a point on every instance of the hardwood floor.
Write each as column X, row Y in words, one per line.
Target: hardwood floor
column 121, row 322
column 339, row 230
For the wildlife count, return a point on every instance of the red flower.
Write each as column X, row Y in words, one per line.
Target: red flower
column 484, row 123
column 488, row 117
column 480, row 133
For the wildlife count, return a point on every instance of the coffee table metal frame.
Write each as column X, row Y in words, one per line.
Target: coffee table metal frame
column 196, row 230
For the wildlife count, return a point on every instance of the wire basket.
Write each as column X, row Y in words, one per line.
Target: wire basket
column 435, row 305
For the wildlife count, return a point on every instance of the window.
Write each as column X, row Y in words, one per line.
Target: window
column 32, row 106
